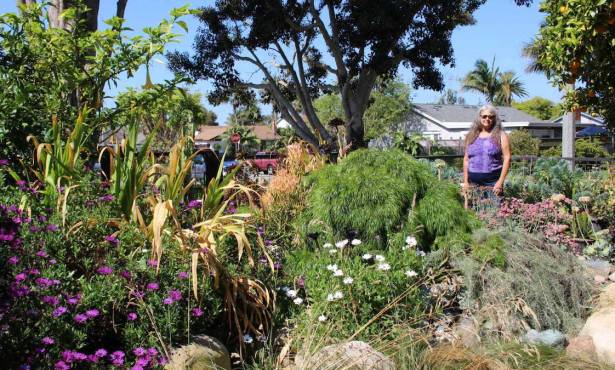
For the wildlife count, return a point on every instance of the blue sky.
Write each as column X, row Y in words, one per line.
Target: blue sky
column 500, row 31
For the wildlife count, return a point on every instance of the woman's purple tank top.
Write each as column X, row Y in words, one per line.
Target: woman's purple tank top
column 485, row 155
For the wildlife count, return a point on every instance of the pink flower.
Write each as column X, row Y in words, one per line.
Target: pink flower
column 80, row 318
column 13, row 260
column 183, row 275
column 92, row 313
column 197, row 312
column 132, row 316
column 105, row 270
column 152, row 286
column 48, row 341
column 59, row 311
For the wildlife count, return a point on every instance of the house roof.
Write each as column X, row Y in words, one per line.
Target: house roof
column 461, row 116
column 586, row 119
column 208, row 133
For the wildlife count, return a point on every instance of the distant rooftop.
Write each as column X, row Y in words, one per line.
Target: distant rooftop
column 467, row 113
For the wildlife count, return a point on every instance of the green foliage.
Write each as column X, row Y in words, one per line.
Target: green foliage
column 497, row 87
column 410, row 144
column 540, row 108
column 47, row 72
column 523, row 143
column 451, row 96
column 574, row 44
column 586, row 148
column 248, row 143
column 489, row 247
column 370, row 191
column 441, row 212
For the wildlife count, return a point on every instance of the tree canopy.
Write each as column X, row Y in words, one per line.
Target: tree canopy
column 539, row 107
column 497, row 87
column 451, row 96
column 576, row 44
column 305, row 48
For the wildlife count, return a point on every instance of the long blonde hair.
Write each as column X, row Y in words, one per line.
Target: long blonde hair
column 477, row 127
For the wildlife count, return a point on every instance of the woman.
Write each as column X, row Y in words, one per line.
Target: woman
column 487, row 152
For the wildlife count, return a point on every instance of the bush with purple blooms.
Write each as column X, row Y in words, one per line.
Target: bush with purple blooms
column 86, row 294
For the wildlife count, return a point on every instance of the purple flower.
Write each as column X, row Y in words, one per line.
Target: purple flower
column 80, row 318
column 167, row 301
column 34, row 272
column 4, row 162
column 111, row 239
column 117, row 358
column 20, row 277
column 21, row 184
column 138, row 294
column 197, row 312
column 100, row 352
column 13, row 260
column 152, row 286
column 42, row 254
column 152, row 351
column 93, row 358
column 175, row 295
column 74, row 299
column 143, row 361
column 44, row 282
column 137, row 367
column 260, row 230
column 277, row 266
column 34, row 229
column 139, row 351
column 196, row 203
column 48, row 341
column 106, row 198
column 126, row 274
column 132, row 316
column 152, row 263
column 105, row 270
column 52, row 227
column 59, row 311
column 61, row 365
column 51, row 300
column 52, row 261
column 268, row 242
column 92, row 313
column 183, row 275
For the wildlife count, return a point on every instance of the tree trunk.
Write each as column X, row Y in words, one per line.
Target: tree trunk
column 355, row 99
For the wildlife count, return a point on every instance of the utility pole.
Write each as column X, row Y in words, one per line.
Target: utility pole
column 569, row 130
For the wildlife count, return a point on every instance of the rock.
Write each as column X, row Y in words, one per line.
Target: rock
column 600, row 326
column 550, row 337
column 607, row 297
column 353, row 355
column 204, row 353
column 582, row 347
column 599, row 279
column 466, row 330
column 599, row 267
column 612, row 277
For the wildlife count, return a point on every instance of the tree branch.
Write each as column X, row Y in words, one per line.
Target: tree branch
column 120, row 8
column 332, row 44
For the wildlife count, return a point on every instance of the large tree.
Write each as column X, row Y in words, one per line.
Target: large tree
column 304, row 48
column 576, row 45
column 539, row 107
column 497, row 87
column 89, row 13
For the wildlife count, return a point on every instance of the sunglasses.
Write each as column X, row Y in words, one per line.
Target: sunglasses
column 485, row 116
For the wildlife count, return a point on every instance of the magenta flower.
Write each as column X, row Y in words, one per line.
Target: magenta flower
column 152, row 351
column 42, row 254
column 51, row 300
column 74, row 299
column 80, row 318
column 52, row 227
column 34, row 272
column 100, row 352
column 61, row 365
column 117, row 358
column 137, row 367
column 152, row 286
column 152, row 263
column 20, row 277
column 167, row 301
column 111, row 239
column 4, row 162
column 48, row 341
column 13, row 260
column 92, row 313
column 105, row 270
column 139, row 351
column 44, row 282
column 196, row 203
column 175, row 295
column 126, row 274
column 59, row 311
column 132, row 316
column 106, row 198
column 197, row 312
column 183, row 275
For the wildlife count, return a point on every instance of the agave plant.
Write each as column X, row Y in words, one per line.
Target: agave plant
column 58, row 162
column 172, row 182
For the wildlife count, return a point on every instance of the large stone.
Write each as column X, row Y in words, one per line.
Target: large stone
column 582, row 347
column 600, row 326
column 353, row 355
column 607, row 297
column 550, row 337
column 204, row 353
column 599, row 268
column 466, row 331
column 612, row 277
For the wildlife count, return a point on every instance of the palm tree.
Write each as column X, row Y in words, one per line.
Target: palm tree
column 499, row 88
column 483, row 79
column 509, row 85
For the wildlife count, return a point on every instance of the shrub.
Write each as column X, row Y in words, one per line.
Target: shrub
column 523, row 143
column 370, row 192
column 586, row 148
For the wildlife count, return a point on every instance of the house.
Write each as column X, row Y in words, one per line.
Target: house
column 585, row 120
column 211, row 136
column 448, row 124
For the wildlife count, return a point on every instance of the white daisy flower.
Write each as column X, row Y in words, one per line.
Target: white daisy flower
column 384, row 266
column 338, row 273
column 355, row 242
column 248, row 339
column 332, row 267
column 327, row 245
column 411, row 273
column 341, row 244
column 380, row 258
column 330, row 297
column 411, row 241
column 291, row 293
column 348, row 280
column 297, row 300
column 322, row 318
column 338, row 295
column 332, row 251
column 366, row 257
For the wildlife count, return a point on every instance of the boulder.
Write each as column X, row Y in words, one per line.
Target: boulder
column 582, row 347
column 600, row 326
column 612, row 277
column 599, row 279
column 355, row 355
column 599, row 268
column 607, row 297
column 204, row 353
column 550, row 337
column 466, row 331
